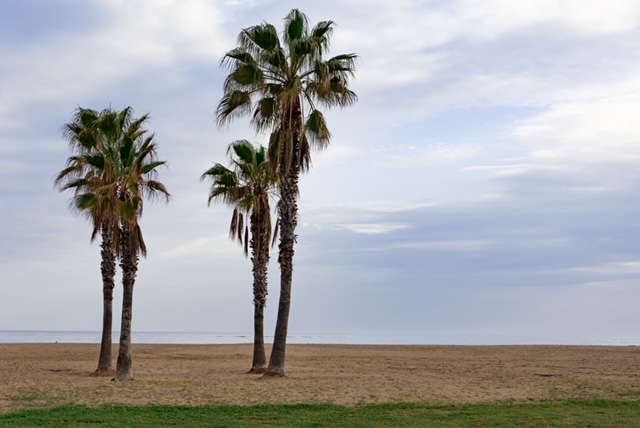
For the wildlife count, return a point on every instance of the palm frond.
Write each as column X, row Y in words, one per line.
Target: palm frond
column 247, row 75
column 235, row 57
column 276, row 59
column 127, row 210
column 323, row 30
column 233, row 104
column 276, row 142
column 264, row 112
column 295, row 24
column 85, row 201
column 244, row 152
column 137, row 240
column 246, row 241
column 276, row 232
column 317, row 130
column 343, row 63
column 151, row 166
column 263, row 37
column 233, row 227
column 155, row 189
column 78, row 183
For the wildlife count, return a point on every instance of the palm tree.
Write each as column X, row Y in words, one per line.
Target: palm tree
column 247, row 187
column 282, row 84
column 84, row 174
column 133, row 167
column 111, row 173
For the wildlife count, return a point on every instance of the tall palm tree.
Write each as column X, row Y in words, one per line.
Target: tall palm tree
column 133, row 164
column 282, row 83
column 247, row 187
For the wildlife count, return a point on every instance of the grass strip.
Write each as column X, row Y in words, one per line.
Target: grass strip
column 599, row 413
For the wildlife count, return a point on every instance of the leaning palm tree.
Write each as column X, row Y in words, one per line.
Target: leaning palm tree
column 247, row 187
column 282, row 83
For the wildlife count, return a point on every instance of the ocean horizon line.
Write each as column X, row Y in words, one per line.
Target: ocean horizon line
column 201, row 338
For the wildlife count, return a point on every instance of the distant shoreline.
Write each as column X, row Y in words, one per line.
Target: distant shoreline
column 203, row 338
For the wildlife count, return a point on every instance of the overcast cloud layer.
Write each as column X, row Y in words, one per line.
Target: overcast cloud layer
column 485, row 184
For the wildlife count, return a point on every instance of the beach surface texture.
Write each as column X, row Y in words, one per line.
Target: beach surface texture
column 51, row 375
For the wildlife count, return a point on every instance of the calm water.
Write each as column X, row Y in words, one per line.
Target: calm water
column 32, row 336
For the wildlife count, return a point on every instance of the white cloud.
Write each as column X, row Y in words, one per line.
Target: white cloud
column 481, row 21
column 493, row 18
column 130, row 39
column 463, row 54
column 171, row 28
column 600, row 130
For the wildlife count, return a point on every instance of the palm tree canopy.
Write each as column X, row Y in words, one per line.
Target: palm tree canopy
column 114, row 169
column 246, row 186
column 277, row 78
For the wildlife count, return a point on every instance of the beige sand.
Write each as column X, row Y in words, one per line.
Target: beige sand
column 46, row 375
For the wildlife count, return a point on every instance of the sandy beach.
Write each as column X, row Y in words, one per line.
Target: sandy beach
column 49, row 375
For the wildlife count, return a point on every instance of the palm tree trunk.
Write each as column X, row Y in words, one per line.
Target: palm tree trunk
column 129, row 265
column 288, row 221
column 259, row 364
column 260, row 259
column 108, row 269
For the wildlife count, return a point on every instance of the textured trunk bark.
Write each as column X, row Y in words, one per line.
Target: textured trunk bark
column 108, row 269
column 259, row 364
column 289, row 167
column 288, row 221
column 260, row 260
column 129, row 265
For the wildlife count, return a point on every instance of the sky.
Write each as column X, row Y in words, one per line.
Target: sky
column 484, row 185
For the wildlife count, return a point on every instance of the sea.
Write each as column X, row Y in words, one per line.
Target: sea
column 199, row 338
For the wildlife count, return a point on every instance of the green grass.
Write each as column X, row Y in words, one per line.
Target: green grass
column 599, row 413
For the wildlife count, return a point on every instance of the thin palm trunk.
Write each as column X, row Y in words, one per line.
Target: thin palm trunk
column 260, row 258
column 108, row 269
column 129, row 265
column 288, row 220
column 259, row 364
column 288, row 171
